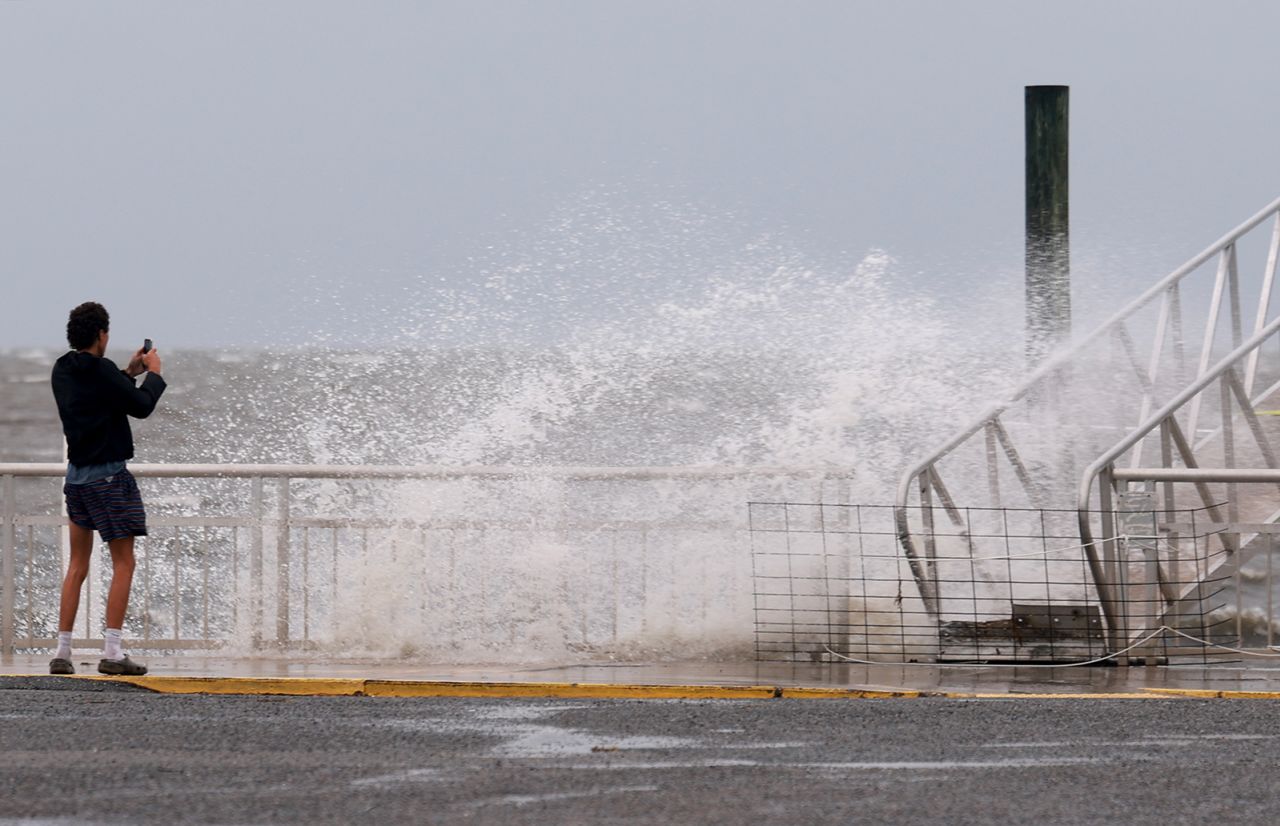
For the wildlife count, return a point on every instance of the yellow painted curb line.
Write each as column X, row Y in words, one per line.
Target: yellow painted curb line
column 422, row 688
column 1207, row 693
column 303, row 686
column 348, row 687
column 294, row 686
column 804, row 693
column 326, row 687
column 1012, row 695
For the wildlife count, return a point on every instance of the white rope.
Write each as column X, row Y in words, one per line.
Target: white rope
column 1081, row 546
column 1044, row 552
column 1029, row 554
column 1111, row 656
column 1006, row 665
column 1223, row 647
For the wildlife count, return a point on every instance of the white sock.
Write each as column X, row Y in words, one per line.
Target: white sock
column 64, row 646
column 111, row 644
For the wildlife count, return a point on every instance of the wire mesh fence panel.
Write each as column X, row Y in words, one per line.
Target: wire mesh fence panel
column 833, row 584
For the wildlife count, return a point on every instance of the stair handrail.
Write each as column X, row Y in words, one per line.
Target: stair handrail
column 1054, row 362
column 1108, row 458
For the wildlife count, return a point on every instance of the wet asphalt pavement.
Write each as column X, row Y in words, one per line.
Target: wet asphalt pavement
column 117, row 755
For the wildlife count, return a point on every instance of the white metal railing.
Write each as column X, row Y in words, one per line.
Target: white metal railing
column 303, row 556
column 1233, row 462
column 619, row 473
column 1063, row 415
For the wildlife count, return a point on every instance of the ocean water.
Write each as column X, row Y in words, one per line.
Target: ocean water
column 770, row 360
column 778, row 364
column 643, row 335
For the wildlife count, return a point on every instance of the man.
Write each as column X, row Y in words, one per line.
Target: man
column 94, row 400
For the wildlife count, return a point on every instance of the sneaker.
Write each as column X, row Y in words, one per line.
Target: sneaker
column 61, row 665
column 122, row 667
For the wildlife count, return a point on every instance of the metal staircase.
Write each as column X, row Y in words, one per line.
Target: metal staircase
column 1161, row 406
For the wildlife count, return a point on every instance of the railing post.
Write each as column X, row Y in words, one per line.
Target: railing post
column 1264, row 302
column 1225, row 259
column 1115, row 586
column 930, row 536
column 8, row 546
column 993, row 469
column 282, row 563
column 1228, row 446
column 1142, row 598
column 1271, row 550
column 255, row 562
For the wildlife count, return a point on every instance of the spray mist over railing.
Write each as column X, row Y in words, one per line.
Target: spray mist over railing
column 678, row 344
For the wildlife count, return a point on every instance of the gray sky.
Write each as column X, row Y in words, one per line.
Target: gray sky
column 232, row 173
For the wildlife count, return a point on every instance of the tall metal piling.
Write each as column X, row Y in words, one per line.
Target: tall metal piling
column 1048, row 261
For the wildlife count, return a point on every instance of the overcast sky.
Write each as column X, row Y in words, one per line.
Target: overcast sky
column 242, row 173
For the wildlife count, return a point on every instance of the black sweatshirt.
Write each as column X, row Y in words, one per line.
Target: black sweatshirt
column 94, row 400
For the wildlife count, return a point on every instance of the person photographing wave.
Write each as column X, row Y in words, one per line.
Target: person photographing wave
column 95, row 399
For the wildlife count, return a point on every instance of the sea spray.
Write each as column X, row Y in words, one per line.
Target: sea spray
column 772, row 360
column 615, row 338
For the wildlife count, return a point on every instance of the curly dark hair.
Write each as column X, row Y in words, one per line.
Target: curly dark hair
column 84, row 324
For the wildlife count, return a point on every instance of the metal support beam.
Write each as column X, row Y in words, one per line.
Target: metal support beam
column 1110, row 585
column 8, row 547
column 282, row 563
column 255, row 562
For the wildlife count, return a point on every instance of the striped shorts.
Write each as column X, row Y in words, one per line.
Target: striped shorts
column 110, row 506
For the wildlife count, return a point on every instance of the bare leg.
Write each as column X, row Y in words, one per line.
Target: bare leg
column 121, row 580
column 77, row 570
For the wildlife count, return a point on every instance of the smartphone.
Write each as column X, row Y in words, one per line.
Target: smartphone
column 146, row 346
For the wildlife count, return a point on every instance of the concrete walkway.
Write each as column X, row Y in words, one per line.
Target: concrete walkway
column 693, row 680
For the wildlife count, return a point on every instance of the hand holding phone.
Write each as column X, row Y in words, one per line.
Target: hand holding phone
column 150, row 357
column 137, row 364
